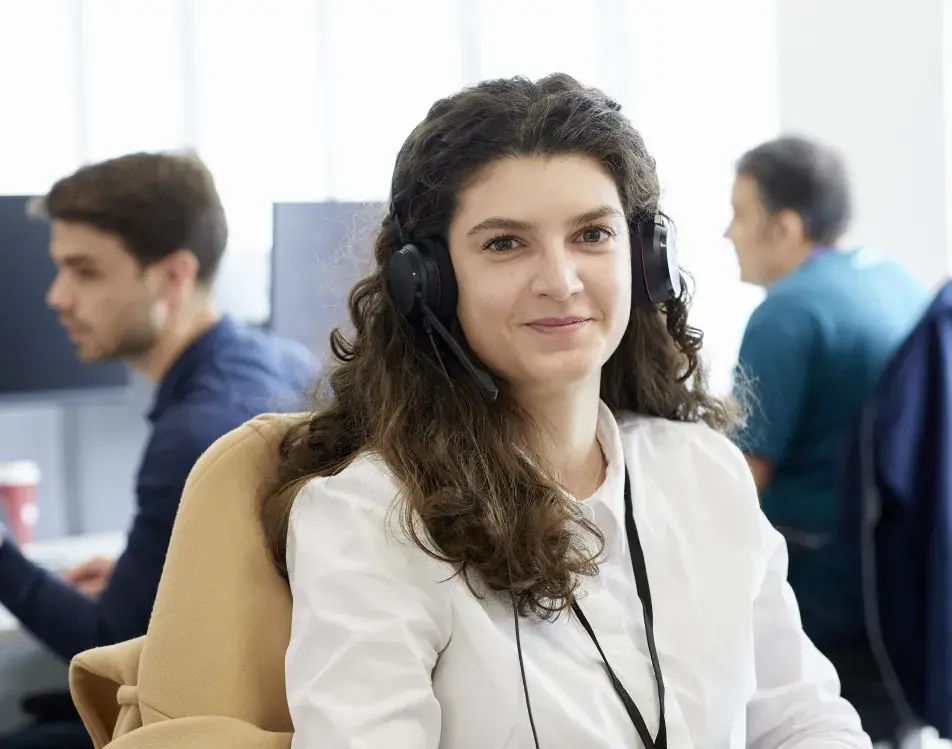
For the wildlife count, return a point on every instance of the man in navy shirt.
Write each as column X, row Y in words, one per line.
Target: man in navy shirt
column 137, row 241
column 811, row 353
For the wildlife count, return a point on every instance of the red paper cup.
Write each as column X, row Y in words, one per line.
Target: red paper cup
column 18, row 481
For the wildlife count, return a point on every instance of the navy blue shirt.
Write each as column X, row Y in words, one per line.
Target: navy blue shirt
column 812, row 352
column 227, row 376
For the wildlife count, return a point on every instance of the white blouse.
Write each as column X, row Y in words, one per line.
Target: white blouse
column 390, row 650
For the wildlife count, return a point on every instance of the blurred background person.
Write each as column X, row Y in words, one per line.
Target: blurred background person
column 810, row 356
column 137, row 241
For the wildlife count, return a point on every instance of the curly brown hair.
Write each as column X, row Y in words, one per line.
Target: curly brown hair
column 468, row 497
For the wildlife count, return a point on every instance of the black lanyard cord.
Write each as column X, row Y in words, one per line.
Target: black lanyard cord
column 644, row 593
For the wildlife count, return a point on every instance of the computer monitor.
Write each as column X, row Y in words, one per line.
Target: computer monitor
column 319, row 251
column 37, row 359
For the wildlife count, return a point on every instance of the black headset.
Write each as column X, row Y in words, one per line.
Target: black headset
column 423, row 286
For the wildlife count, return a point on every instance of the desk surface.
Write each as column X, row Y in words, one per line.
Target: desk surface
column 58, row 555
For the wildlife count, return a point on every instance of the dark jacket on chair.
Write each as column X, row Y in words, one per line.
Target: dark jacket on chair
column 898, row 515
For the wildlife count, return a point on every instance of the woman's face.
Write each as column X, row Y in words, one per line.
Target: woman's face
column 542, row 257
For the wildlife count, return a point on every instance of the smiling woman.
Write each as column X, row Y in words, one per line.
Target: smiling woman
column 464, row 569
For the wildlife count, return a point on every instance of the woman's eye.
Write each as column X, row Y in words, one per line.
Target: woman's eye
column 595, row 234
column 502, row 244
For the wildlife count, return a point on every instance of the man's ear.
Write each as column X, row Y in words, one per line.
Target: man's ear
column 174, row 278
column 180, row 270
column 790, row 226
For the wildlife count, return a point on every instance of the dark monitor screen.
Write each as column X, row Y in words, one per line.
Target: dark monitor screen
column 36, row 356
column 319, row 251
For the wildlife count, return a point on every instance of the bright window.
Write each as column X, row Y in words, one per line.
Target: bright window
column 310, row 99
column 41, row 129
column 134, row 73
column 382, row 76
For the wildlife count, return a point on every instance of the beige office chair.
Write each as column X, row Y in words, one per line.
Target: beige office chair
column 210, row 671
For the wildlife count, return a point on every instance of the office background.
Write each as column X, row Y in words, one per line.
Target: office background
column 302, row 100
column 309, row 100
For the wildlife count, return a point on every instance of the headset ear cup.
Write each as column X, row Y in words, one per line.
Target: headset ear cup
column 443, row 293
column 656, row 277
column 639, row 283
column 406, row 279
column 670, row 262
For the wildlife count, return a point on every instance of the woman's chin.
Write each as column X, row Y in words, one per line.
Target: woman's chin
column 561, row 371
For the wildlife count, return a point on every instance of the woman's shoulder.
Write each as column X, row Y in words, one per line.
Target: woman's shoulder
column 366, row 482
column 678, row 451
column 354, row 515
column 692, row 435
column 357, row 499
column 693, row 477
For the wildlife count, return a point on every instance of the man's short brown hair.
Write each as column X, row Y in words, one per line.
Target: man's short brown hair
column 156, row 203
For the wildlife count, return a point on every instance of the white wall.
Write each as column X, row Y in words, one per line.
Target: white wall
column 707, row 75
column 866, row 76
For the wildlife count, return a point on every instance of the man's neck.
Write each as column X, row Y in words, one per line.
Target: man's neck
column 792, row 261
column 569, row 420
column 181, row 333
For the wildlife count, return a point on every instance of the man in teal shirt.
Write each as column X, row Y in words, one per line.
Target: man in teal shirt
column 810, row 356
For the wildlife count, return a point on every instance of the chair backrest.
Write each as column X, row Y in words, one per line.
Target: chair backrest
column 222, row 617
